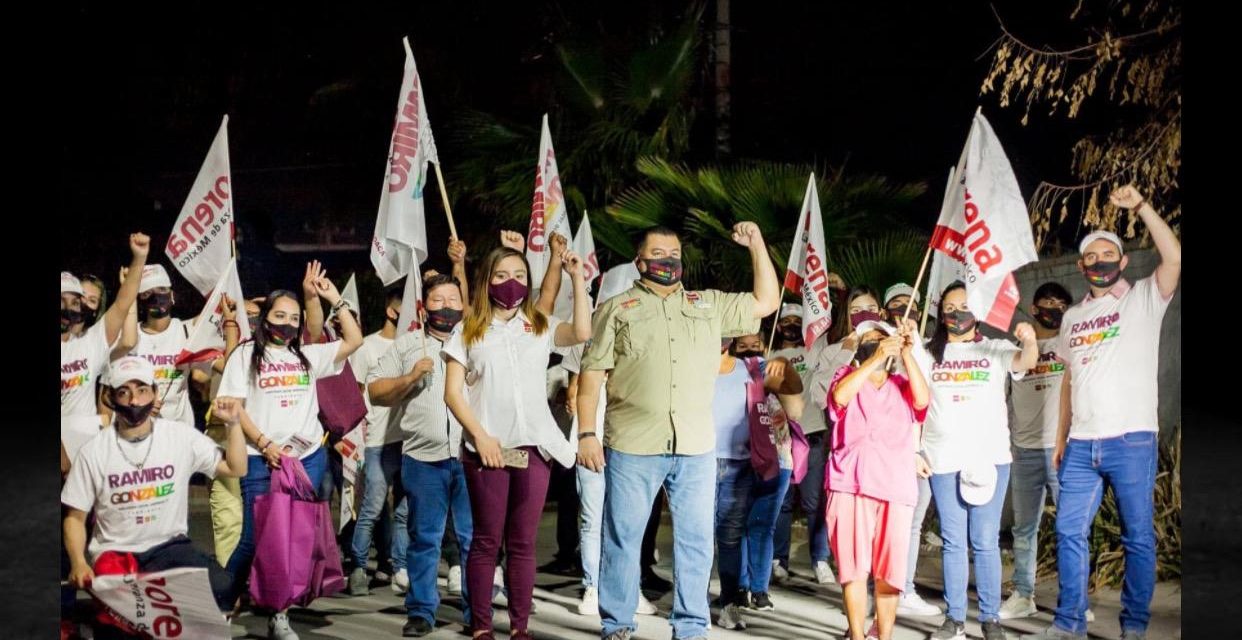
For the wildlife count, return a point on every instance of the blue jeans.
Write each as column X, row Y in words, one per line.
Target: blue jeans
column 963, row 524
column 591, row 525
column 382, row 470
column 432, row 489
column 1126, row 463
column 814, row 502
column 257, row 482
column 1033, row 479
column 735, row 480
column 632, row 483
column 916, row 532
column 765, row 505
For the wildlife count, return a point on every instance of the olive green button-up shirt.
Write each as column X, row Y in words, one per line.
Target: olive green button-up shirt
column 664, row 356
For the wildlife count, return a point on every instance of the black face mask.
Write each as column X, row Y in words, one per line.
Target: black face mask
column 280, row 334
column 443, row 320
column 155, row 306
column 89, row 315
column 134, row 415
column 792, row 333
column 68, row 318
column 748, row 354
column 959, row 322
column 1103, row 274
column 663, row 271
column 865, row 351
column 1049, row 318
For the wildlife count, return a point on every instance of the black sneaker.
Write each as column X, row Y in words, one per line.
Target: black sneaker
column 558, row 567
column 416, row 628
column 761, row 602
column 742, row 599
column 992, row 630
column 950, row 630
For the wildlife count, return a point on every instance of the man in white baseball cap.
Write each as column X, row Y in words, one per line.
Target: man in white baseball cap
column 896, row 299
column 1109, row 423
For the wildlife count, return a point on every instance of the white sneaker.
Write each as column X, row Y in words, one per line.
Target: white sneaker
column 780, row 574
column 1018, row 606
column 400, row 582
column 731, row 618
column 1090, row 616
column 645, row 608
column 911, row 604
column 590, row 602
column 823, row 573
column 499, row 597
column 278, row 628
column 454, row 580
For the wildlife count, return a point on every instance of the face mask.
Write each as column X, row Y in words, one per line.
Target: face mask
column 280, row 334
column 748, row 354
column 1103, row 274
column 134, row 414
column 959, row 322
column 89, row 314
column 860, row 317
column 1049, row 318
column 508, row 294
column 791, row 333
column 663, row 271
column 865, row 351
column 68, row 318
column 158, row 305
column 443, row 320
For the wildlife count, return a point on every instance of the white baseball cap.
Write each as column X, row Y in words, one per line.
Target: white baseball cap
column 153, row 275
column 977, row 483
column 69, row 283
column 900, row 289
column 791, row 309
column 874, row 325
column 131, row 368
column 1101, row 235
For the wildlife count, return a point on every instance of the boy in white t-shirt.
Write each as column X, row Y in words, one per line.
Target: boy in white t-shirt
column 1108, row 422
column 136, row 478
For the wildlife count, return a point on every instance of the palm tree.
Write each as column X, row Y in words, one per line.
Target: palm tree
column 703, row 204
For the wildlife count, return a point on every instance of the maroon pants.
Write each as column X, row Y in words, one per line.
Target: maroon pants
column 506, row 504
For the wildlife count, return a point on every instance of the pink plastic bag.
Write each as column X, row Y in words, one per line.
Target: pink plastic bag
column 296, row 558
column 763, row 454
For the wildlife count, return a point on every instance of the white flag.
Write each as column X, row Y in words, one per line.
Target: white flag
column 411, row 303
column 547, row 211
column 206, row 342
column 617, row 281
column 200, row 243
column 807, row 273
column 584, row 246
column 350, row 293
column 176, row 603
column 400, row 239
column 986, row 227
column 944, row 270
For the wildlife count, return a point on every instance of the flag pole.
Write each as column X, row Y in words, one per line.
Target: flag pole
column 772, row 338
column 918, row 282
column 445, row 199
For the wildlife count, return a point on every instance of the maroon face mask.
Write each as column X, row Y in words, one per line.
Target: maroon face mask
column 508, row 294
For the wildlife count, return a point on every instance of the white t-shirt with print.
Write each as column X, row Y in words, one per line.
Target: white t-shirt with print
column 968, row 419
column 1035, row 401
column 82, row 360
column 1112, row 345
column 383, row 423
column 573, row 364
column 136, row 509
column 172, row 382
column 282, row 399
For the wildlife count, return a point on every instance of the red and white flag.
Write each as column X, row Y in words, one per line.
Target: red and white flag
column 807, row 273
column 985, row 227
column 200, row 243
column 411, row 304
column 176, row 603
column 206, row 342
column 547, row 211
column 399, row 244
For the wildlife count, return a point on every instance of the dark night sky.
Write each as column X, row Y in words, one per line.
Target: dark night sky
column 890, row 88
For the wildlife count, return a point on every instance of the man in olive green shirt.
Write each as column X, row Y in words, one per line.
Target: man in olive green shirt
column 660, row 348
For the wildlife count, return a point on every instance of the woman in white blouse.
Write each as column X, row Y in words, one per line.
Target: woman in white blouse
column 496, row 364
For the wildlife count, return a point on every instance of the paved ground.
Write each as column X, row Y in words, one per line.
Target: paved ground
column 804, row 609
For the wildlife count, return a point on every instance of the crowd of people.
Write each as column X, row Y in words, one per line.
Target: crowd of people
column 672, row 397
